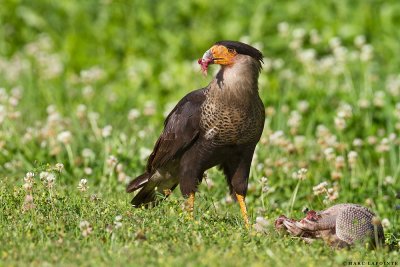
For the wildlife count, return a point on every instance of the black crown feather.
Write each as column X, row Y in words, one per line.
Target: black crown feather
column 243, row 49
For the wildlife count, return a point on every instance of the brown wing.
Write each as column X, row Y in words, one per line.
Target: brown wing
column 181, row 130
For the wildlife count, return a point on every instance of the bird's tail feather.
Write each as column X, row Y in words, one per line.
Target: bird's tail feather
column 151, row 192
column 146, row 195
column 137, row 183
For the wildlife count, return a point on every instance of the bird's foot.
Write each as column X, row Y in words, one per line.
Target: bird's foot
column 189, row 205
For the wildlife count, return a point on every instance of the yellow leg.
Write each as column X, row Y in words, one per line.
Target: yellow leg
column 243, row 209
column 189, row 205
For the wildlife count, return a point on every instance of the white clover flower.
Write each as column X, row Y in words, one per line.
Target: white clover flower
column 278, row 63
column 389, row 180
column 299, row 141
column 64, row 137
column 383, row 146
column 13, row 101
column 261, row 224
column 340, row 123
column 92, row 74
column 109, row 228
column 385, row 223
column 335, row 42
column 300, row 174
column 314, row 37
column 345, row 110
column 364, row 103
column 122, row 177
column 141, row 134
column 332, row 194
column 276, row 137
column 340, row 53
column 29, row 180
column 87, row 153
column 81, row 111
column 306, row 56
column 322, row 131
column 119, row 168
column 352, row 158
column 320, row 188
column 29, row 177
column 264, row 180
column 50, row 180
column 51, row 109
column 359, row 41
column 393, row 85
column 227, row 199
column 336, row 175
column 112, row 161
column 294, row 119
column 326, row 63
column 329, row 153
column 3, row 113
column 283, row 29
column 372, row 140
column 339, row 162
column 357, row 142
column 27, row 186
column 296, row 44
column 59, row 167
column 106, row 131
column 28, row 203
column 88, row 92
column 54, row 119
column 86, row 228
column 149, row 108
column 117, row 222
column 303, row 106
column 299, row 33
column 43, row 175
column 82, row 186
column 262, row 221
column 379, row 99
column 287, row 74
column 265, row 189
column 88, row 171
column 366, row 53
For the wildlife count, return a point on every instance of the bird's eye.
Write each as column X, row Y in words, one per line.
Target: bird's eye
column 230, row 50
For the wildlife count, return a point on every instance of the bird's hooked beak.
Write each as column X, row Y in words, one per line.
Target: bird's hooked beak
column 218, row 54
column 206, row 60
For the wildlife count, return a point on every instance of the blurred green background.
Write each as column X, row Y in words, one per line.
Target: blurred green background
column 147, row 49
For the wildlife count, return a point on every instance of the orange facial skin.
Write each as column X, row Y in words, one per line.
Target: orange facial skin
column 218, row 54
column 223, row 55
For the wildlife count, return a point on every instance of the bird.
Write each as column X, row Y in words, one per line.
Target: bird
column 218, row 125
column 341, row 225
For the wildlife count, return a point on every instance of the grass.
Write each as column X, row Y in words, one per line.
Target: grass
column 87, row 84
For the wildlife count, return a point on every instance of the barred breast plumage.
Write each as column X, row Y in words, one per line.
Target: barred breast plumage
column 229, row 123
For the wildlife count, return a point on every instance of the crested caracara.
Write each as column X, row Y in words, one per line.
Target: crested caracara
column 218, row 125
